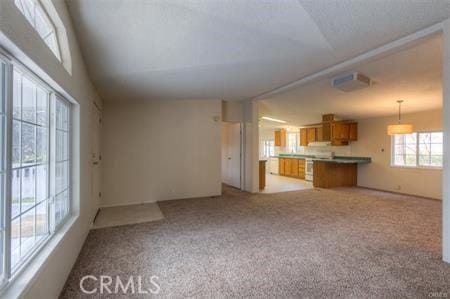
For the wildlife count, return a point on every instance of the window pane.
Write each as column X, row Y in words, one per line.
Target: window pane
column 424, row 149
column 16, row 149
column 28, row 188
column 41, row 107
column 60, row 146
column 399, row 139
column 35, row 14
column 41, row 183
column 28, row 100
column 15, row 242
column 61, row 206
column 17, row 95
column 28, row 144
column 437, row 137
column 27, row 230
column 61, row 176
column 42, row 24
column 436, row 148
column 15, row 198
column 424, row 137
column 27, row 9
column 62, row 118
column 52, row 44
column 41, row 144
column 436, row 161
column 41, row 221
column 411, row 138
column 424, row 160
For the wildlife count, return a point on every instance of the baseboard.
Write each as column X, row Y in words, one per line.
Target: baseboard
column 127, row 204
column 399, row 193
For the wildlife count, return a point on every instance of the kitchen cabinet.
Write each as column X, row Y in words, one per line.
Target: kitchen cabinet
column 303, row 137
column 262, row 174
column 291, row 167
column 307, row 135
column 340, row 131
column 332, row 175
column 288, row 167
column 301, row 169
column 343, row 132
column 280, row 138
column 353, row 132
column 281, row 166
column 319, row 134
column 311, row 135
column 294, row 167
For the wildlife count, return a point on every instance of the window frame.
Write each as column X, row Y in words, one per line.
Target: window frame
column 417, row 166
column 10, row 274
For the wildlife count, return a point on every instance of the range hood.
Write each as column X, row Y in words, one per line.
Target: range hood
column 320, row 143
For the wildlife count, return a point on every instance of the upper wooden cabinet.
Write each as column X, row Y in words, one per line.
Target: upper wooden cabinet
column 308, row 135
column 343, row 132
column 353, row 132
column 312, row 135
column 319, row 134
column 303, row 137
column 340, row 131
column 280, row 138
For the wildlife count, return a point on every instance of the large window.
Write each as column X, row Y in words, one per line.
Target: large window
column 30, row 165
column 2, row 168
column 36, row 15
column 35, row 133
column 61, row 161
column 269, row 148
column 292, row 142
column 422, row 149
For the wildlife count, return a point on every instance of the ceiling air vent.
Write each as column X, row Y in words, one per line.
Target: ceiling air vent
column 350, row 82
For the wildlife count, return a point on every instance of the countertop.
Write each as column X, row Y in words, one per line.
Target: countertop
column 336, row 159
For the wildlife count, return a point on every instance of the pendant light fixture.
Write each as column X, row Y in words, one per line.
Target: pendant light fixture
column 399, row 128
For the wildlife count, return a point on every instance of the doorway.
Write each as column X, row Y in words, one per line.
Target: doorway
column 232, row 154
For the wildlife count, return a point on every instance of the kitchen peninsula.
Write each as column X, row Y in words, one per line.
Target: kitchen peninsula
column 333, row 172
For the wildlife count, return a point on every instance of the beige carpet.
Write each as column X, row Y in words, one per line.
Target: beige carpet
column 123, row 215
column 309, row 243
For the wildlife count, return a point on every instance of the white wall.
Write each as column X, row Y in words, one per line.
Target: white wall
column 160, row 150
column 379, row 174
column 21, row 40
column 233, row 111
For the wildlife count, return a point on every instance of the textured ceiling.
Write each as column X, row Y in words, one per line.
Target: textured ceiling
column 413, row 74
column 231, row 49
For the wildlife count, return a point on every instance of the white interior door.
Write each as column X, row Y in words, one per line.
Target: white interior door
column 96, row 192
column 231, row 154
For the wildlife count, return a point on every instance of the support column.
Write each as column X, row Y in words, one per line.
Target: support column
column 446, row 129
column 251, row 145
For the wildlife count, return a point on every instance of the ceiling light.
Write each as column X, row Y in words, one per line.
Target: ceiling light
column 399, row 128
column 274, row 119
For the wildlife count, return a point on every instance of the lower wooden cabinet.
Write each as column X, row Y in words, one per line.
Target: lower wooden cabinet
column 291, row 167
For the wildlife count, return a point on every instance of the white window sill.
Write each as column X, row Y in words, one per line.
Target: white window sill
column 418, row 167
column 26, row 277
